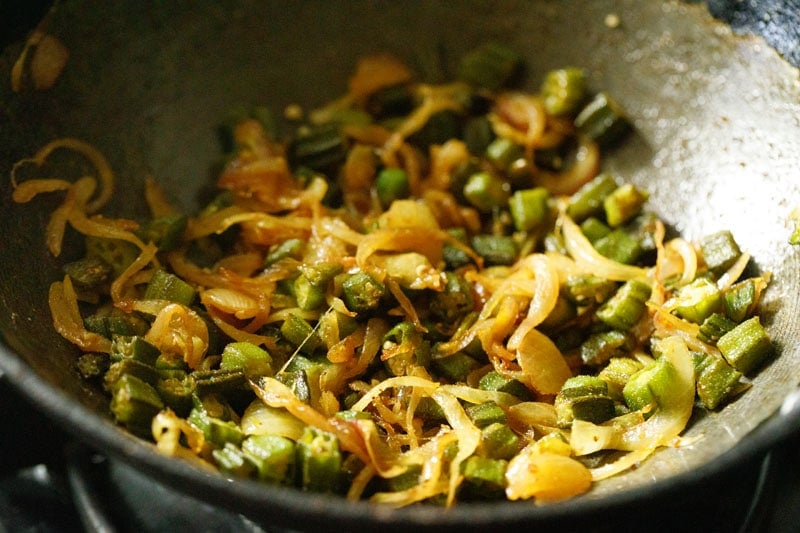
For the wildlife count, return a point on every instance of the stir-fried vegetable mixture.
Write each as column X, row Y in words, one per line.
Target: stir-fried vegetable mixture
column 420, row 293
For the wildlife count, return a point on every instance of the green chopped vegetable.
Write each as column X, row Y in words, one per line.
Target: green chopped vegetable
column 720, row 251
column 563, row 90
column 746, row 346
column 491, row 65
column 529, row 208
column 624, row 309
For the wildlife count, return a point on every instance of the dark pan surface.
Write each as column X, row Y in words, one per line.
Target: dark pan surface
column 717, row 142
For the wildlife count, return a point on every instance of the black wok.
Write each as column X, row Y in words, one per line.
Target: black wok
column 717, row 142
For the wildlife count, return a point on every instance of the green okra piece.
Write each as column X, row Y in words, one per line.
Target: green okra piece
column 319, row 147
column 129, row 366
column 134, row 403
column 166, row 232
column 563, row 90
column 651, row 385
column 624, row 203
column 110, row 321
column 408, row 346
column 454, row 301
column 698, row 300
column 297, row 381
column 176, row 394
column 166, row 286
column 603, row 121
column 92, row 365
column 720, row 251
column 713, row 327
column 716, row 380
column 246, row 356
column 362, row 292
column 588, row 200
column 620, row 246
column 478, row 134
column 483, row 414
column 274, row 457
column 494, row 381
column 391, row 184
column 290, row 248
column 498, row 441
column 529, row 208
column 617, row 373
column 598, row 348
column 623, row 310
column 233, row 461
column 586, row 289
column 486, row 191
column 215, row 430
column 583, row 398
column 502, row 152
column 300, row 334
column 496, row 249
column 561, row 314
column 116, row 253
column 134, row 347
column 491, row 65
column 453, row 256
column 90, row 273
column 746, row 346
column 594, row 229
column 455, row 367
column 226, row 382
column 740, row 300
column 319, row 461
column 484, row 478
column 308, row 295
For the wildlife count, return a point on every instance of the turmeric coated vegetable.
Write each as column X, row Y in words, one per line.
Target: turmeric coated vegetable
column 415, row 294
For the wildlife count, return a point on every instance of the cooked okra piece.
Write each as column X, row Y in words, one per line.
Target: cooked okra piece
column 478, row 134
column 319, row 147
column 529, row 208
column 273, row 455
column 741, row 300
column 698, row 300
column 483, row 414
column 227, row 382
column 215, row 430
column 455, row 367
column 166, row 286
column 720, row 251
column 297, row 381
column 588, row 200
column 129, row 366
column 617, row 373
column 89, row 273
column 602, row 120
column 484, row 478
column 362, row 292
column 498, row 441
column 620, row 246
column 134, row 403
column 624, row 203
column 134, row 347
column 165, row 232
column 246, row 356
column 594, row 229
column 651, row 385
column 176, row 394
column 715, row 326
column 233, row 461
column 490, row 66
column 587, row 289
column 404, row 347
column 307, row 295
column 624, row 309
column 746, row 346
column 391, row 184
column 116, row 253
column 319, row 460
column 716, row 380
column 300, row 334
column 486, row 191
column 496, row 249
column 493, row 381
column 92, row 365
column 563, row 90
column 583, row 398
column 455, row 301
column 112, row 321
column 600, row 347
column 502, row 152
column 290, row 248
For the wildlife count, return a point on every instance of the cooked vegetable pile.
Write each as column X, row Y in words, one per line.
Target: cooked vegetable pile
column 418, row 293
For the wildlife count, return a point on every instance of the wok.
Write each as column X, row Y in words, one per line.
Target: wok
column 716, row 142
